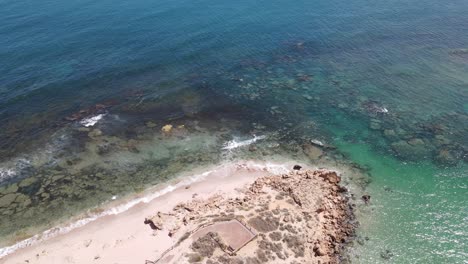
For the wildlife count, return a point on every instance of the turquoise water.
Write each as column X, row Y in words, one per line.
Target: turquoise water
column 383, row 82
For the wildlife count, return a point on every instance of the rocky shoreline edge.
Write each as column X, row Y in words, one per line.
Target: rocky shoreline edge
column 303, row 216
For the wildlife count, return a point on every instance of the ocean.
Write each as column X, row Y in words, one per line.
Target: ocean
column 100, row 100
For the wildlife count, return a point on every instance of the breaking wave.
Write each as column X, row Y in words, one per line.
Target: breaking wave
column 233, row 144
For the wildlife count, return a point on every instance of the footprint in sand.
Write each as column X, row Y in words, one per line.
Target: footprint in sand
column 118, row 242
column 87, row 243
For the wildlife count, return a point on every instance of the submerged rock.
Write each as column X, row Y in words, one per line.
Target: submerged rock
column 8, row 199
column 387, row 254
column 95, row 133
column 414, row 151
column 105, row 148
column 373, row 108
column 440, row 140
column 312, row 151
column 57, row 177
column 445, row 157
column 23, row 201
column 416, row 141
column 150, row 124
column 28, row 182
column 10, row 189
column 343, row 105
column 390, row 134
column 459, row 52
column 45, row 196
column 374, row 126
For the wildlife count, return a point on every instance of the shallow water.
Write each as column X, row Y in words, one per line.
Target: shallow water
column 87, row 87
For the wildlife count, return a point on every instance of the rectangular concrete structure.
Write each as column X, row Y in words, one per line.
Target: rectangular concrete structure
column 233, row 233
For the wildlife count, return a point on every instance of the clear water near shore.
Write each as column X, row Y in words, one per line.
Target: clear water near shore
column 382, row 86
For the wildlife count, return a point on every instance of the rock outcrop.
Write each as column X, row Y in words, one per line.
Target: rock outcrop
column 299, row 217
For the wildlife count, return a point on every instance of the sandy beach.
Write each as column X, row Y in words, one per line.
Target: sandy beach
column 125, row 238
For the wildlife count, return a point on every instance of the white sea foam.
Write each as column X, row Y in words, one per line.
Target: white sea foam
column 46, row 155
column 13, row 168
column 233, row 144
column 317, row 142
column 6, row 173
column 91, row 121
column 267, row 167
column 382, row 110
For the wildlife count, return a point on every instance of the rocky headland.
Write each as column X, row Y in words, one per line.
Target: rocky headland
column 297, row 217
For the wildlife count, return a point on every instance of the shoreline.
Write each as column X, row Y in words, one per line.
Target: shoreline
column 109, row 237
column 125, row 204
column 109, row 208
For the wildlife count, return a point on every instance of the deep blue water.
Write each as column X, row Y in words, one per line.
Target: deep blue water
column 383, row 81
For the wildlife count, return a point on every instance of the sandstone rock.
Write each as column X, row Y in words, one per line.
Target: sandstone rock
column 152, row 224
column 319, row 250
column 166, row 128
column 329, row 176
column 297, row 167
column 286, row 233
column 366, row 198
